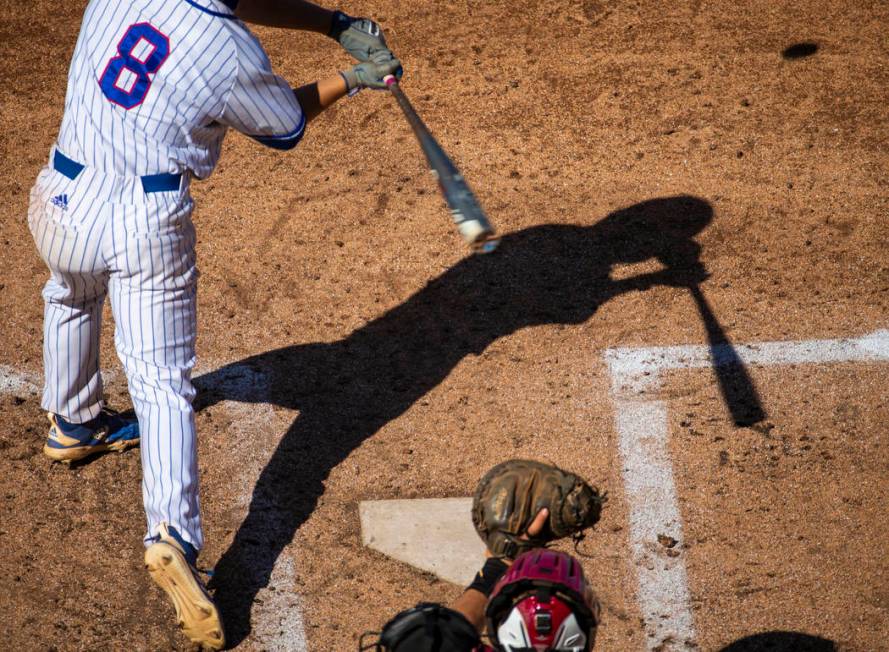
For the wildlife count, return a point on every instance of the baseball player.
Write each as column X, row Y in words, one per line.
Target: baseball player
column 432, row 627
column 153, row 87
column 519, row 507
column 541, row 601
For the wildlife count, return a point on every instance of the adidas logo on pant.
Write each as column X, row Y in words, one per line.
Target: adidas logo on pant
column 61, row 201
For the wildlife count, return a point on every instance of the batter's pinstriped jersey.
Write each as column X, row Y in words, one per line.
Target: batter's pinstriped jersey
column 154, row 85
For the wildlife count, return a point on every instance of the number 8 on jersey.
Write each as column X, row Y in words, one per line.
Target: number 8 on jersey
column 130, row 90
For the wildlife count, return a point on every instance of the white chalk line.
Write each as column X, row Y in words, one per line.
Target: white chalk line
column 641, row 423
column 278, row 624
column 278, row 620
column 13, row 381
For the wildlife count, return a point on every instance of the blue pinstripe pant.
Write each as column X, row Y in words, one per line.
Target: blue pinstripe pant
column 103, row 235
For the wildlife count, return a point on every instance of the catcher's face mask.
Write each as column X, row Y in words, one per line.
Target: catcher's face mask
column 541, row 624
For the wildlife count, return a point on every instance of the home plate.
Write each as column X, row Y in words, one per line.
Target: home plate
column 432, row 534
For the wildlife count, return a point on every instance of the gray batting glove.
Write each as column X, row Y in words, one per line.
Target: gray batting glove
column 370, row 74
column 360, row 37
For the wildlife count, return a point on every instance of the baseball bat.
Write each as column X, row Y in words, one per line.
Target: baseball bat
column 471, row 221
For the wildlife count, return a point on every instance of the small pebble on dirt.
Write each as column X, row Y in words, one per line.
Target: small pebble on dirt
column 666, row 541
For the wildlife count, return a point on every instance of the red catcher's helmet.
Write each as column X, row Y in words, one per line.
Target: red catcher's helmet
column 543, row 604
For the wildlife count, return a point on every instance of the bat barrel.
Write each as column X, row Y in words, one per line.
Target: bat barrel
column 469, row 218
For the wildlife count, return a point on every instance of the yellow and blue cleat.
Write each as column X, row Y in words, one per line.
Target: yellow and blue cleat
column 172, row 563
column 69, row 442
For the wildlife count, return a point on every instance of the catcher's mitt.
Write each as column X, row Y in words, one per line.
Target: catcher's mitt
column 511, row 494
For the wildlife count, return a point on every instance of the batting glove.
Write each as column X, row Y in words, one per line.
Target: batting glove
column 370, row 74
column 361, row 37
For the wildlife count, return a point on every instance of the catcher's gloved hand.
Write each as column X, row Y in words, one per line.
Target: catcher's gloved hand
column 360, row 37
column 427, row 627
column 370, row 74
column 511, row 494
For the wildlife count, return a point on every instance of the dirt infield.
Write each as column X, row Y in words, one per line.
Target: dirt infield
column 634, row 154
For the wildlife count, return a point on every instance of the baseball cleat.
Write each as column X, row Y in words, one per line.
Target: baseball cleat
column 171, row 563
column 69, row 442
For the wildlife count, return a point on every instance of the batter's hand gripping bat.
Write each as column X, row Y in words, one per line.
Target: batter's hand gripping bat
column 471, row 221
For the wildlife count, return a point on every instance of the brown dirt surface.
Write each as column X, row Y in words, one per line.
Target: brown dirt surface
column 350, row 350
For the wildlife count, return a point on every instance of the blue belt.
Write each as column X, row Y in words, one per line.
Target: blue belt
column 150, row 182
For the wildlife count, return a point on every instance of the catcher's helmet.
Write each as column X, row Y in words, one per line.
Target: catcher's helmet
column 543, row 604
column 428, row 627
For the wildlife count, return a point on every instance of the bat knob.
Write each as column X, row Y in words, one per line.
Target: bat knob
column 481, row 239
column 486, row 245
column 389, row 80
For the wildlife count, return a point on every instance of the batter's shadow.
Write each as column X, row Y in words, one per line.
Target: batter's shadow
column 347, row 390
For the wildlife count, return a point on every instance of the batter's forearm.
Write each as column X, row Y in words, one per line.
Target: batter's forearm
column 315, row 97
column 291, row 14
